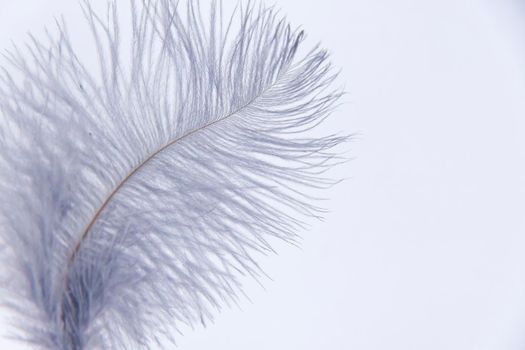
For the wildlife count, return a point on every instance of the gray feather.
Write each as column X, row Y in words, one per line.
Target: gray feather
column 134, row 197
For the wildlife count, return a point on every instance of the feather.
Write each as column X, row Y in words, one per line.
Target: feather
column 137, row 193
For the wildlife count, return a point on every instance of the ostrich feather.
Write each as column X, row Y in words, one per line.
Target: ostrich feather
column 137, row 193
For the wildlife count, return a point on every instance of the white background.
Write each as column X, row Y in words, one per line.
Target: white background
column 425, row 245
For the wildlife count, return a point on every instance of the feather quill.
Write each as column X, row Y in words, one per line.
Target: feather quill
column 135, row 196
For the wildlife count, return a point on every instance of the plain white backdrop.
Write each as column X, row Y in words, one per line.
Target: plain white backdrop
column 425, row 246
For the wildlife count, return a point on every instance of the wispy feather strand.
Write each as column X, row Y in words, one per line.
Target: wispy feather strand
column 133, row 198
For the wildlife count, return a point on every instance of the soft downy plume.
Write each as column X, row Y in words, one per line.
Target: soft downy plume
column 134, row 196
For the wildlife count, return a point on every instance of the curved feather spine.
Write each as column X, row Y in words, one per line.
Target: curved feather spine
column 137, row 168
